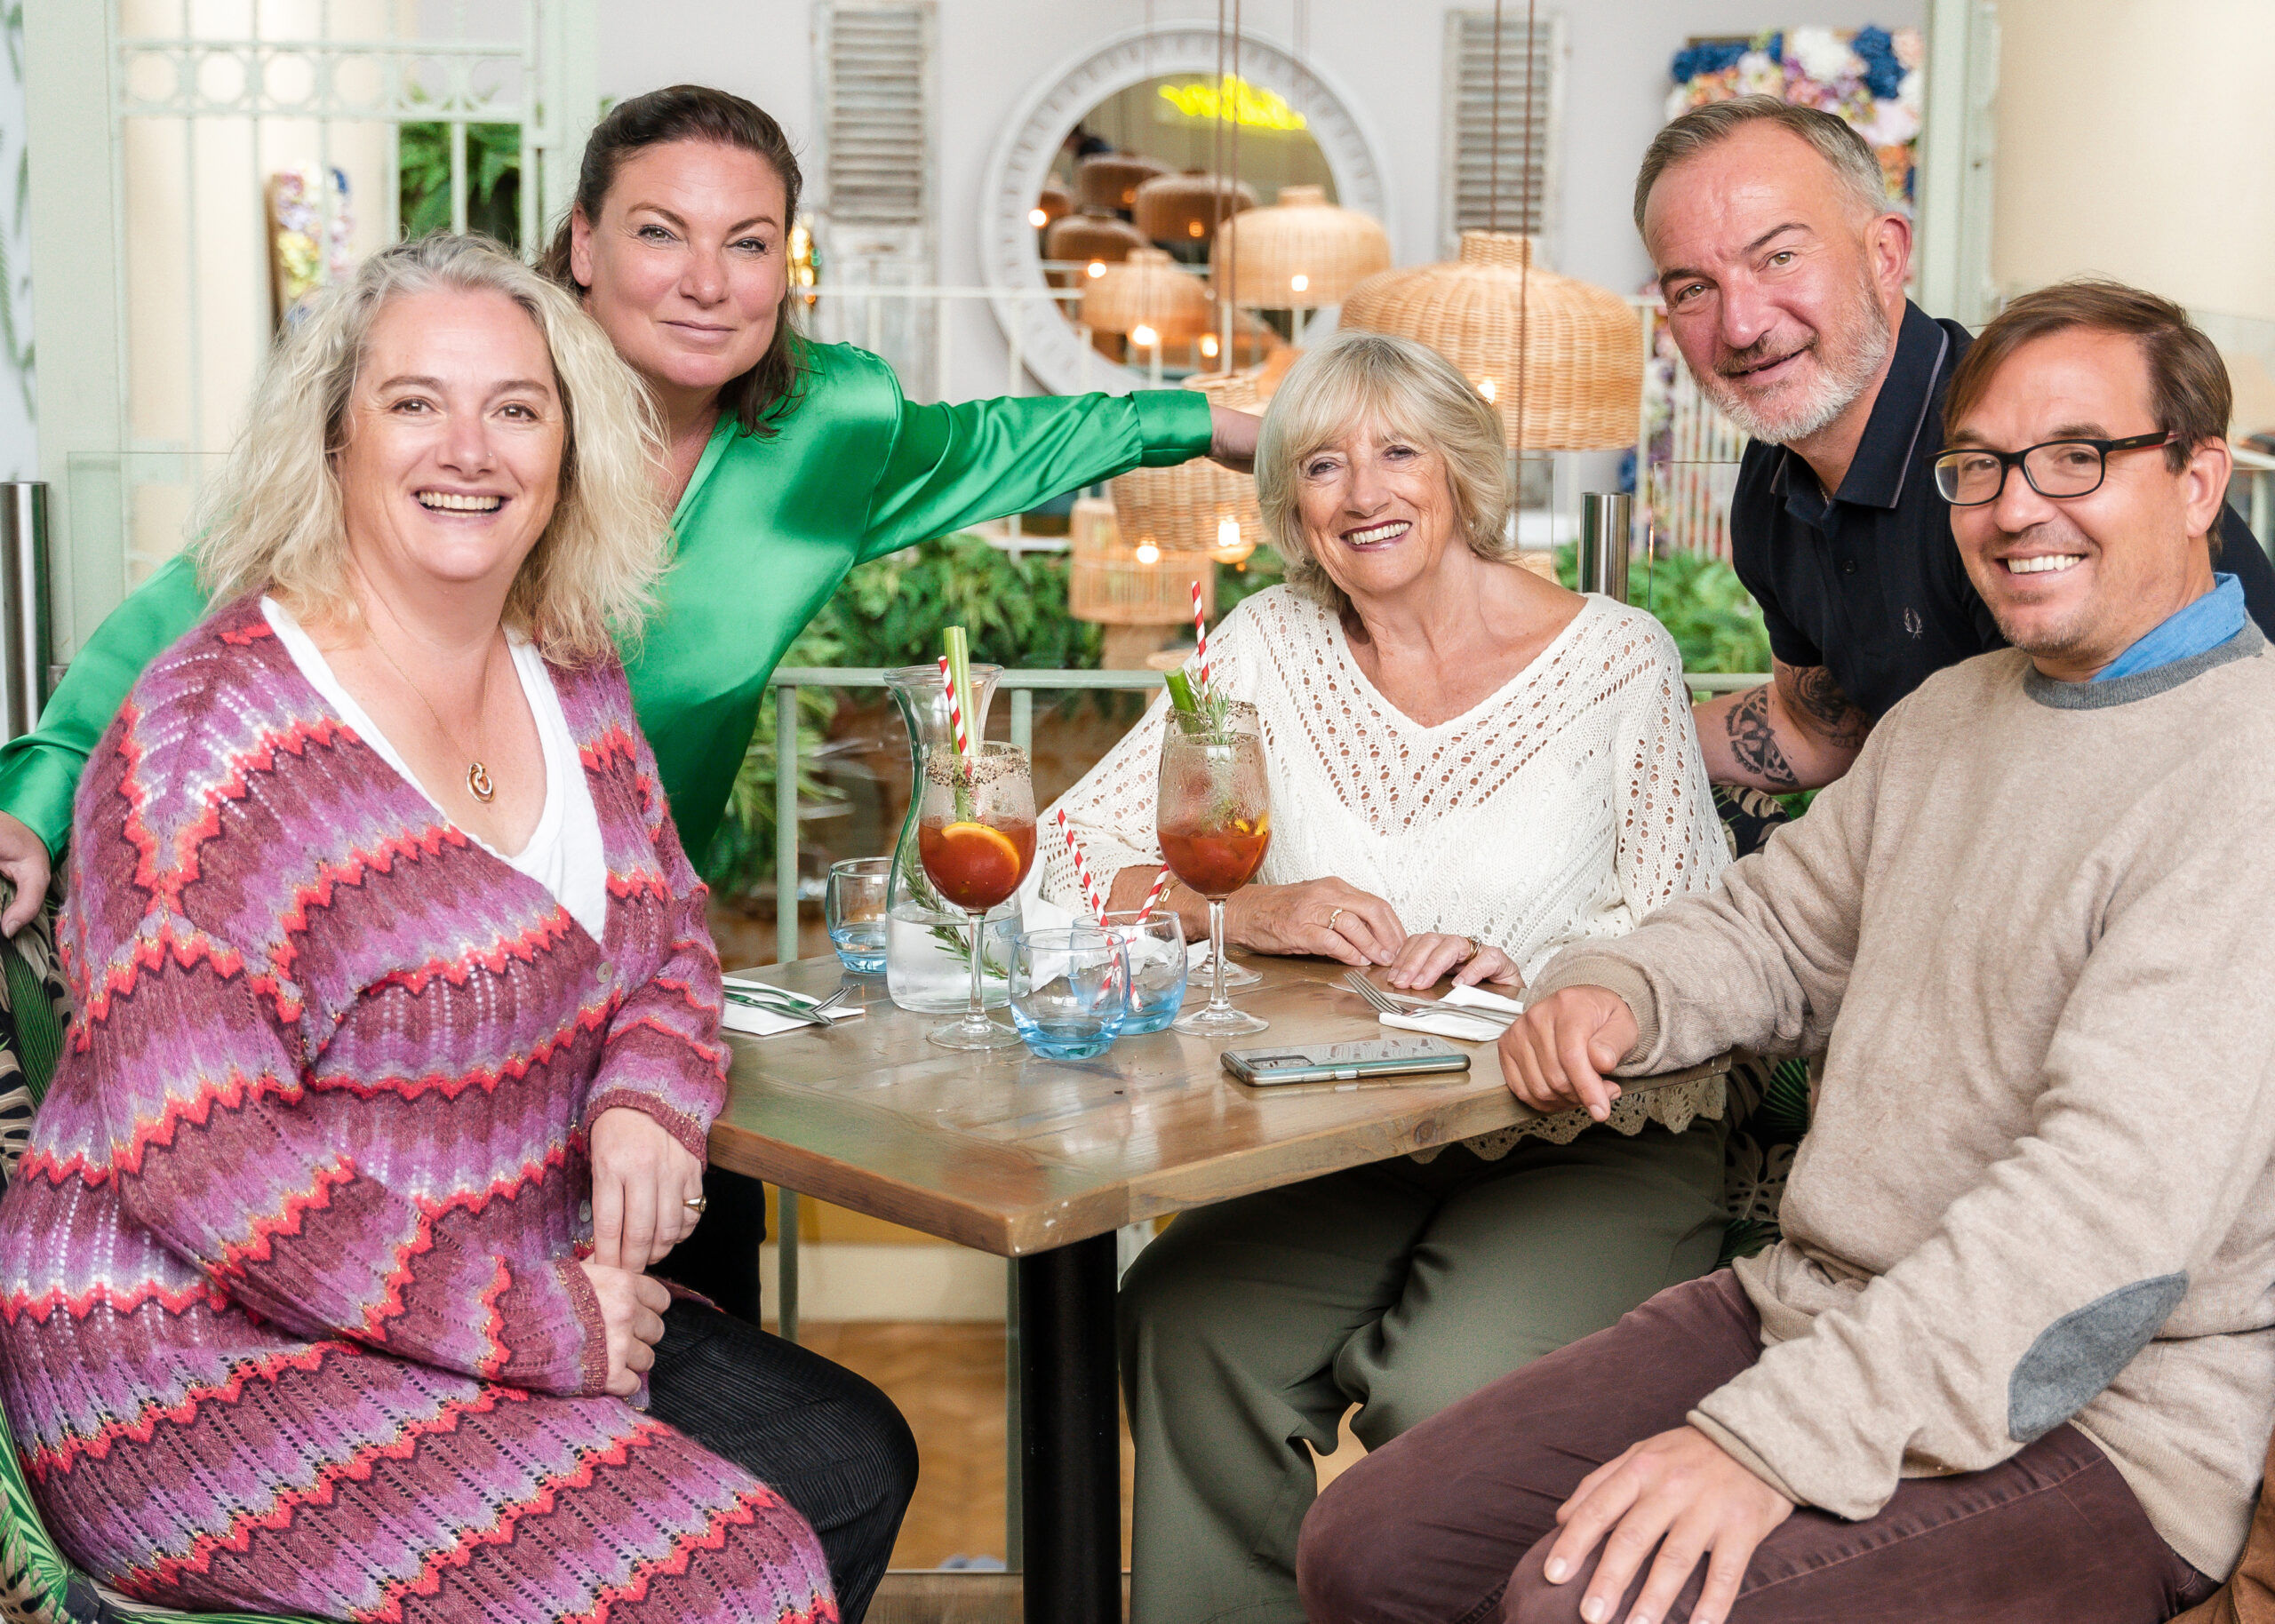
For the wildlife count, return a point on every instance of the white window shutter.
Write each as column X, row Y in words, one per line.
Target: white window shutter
column 875, row 62
column 1525, row 197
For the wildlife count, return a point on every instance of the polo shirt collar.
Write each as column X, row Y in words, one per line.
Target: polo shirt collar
column 1898, row 425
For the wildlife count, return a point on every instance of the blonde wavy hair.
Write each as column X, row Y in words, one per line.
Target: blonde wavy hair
column 1405, row 390
column 274, row 519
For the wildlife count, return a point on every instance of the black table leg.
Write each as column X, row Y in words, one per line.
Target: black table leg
column 1072, row 1497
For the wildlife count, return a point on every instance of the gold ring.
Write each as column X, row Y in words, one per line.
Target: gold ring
column 1476, row 947
column 1338, row 914
column 695, row 1204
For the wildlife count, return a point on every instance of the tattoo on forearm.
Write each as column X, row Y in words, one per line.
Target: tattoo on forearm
column 1810, row 691
column 1753, row 741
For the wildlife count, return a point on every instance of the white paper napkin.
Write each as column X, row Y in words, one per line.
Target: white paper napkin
column 1466, row 1014
column 756, row 1022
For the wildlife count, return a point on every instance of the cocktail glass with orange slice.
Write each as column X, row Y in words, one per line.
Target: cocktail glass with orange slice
column 975, row 836
column 1214, row 814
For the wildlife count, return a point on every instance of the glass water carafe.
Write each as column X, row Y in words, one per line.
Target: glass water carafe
column 928, row 967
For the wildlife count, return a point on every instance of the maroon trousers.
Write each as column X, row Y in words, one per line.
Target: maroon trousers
column 1451, row 1523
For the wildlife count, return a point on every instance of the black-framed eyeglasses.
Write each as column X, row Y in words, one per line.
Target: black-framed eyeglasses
column 2057, row 469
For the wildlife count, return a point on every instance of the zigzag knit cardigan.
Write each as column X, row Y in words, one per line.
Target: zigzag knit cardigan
column 290, row 1313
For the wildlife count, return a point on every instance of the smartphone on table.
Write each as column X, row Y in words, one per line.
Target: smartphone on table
column 1339, row 1063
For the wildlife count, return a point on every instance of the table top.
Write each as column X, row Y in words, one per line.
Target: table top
column 1011, row 1154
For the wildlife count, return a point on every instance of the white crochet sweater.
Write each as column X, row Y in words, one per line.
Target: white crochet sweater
column 1563, row 807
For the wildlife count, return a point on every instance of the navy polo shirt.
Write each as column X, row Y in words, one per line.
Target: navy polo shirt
column 1869, row 585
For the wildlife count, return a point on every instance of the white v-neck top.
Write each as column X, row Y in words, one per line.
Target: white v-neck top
column 563, row 852
column 1562, row 807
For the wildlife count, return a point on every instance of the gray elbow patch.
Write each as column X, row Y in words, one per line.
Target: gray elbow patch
column 2082, row 1352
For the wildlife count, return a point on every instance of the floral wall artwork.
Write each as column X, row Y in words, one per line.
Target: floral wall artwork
column 301, row 261
column 1870, row 77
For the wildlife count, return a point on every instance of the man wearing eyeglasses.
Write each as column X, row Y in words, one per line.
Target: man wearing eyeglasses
column 1782, row 270
column 2011, row 1360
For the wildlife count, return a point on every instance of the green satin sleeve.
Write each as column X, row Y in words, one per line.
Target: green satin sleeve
column 953, row 465
column 39, row 773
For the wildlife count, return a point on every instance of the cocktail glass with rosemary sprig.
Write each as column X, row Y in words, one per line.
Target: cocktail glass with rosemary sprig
column 1211, row 703
column 1214, row 814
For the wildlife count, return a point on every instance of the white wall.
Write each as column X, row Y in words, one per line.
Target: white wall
column 18, row 440
column 2133, row 137
column 1387, row 58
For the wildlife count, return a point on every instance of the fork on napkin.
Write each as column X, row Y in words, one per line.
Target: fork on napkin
column 1467, row 1015
column 747, row 1009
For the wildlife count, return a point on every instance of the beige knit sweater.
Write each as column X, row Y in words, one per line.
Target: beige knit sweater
column 2033, row 933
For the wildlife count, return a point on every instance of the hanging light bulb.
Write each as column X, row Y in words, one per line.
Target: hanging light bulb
column 1232, row 546
column 1037, row 217
column 1299, row 282
column 1144, row 338
column 1487, row 387
column 1208, row 345
column 1147, row 553
column 1097, row 268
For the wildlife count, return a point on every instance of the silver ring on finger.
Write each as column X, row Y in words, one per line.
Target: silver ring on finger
column 1338, row 914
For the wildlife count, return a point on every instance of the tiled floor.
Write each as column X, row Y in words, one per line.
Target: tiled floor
column 948, row 1381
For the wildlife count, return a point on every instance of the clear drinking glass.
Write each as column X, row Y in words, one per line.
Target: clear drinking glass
column 1069, row 992
column 855, row 907
column 1155, row 947
column 1213, row 814
column 975, row 835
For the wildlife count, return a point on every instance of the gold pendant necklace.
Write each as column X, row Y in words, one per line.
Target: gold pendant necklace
column 478, row 782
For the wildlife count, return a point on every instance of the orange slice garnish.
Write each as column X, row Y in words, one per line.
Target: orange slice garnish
column 982, row 860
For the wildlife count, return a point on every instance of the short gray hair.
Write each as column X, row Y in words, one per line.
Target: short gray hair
column 1830, row 135
column 1403, row 388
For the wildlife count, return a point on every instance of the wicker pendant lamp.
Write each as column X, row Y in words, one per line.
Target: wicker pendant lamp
column 1183, row 209
column 1561, row 361
column 1148, row 298
column 1197, row 510
column 1053, row 203
column 1300, row 254
column 1111, row 180
column 1090, row 235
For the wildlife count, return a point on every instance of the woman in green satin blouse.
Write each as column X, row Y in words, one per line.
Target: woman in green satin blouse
column 789, row 462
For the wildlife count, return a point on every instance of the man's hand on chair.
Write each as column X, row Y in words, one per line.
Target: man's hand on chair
column 24, row 860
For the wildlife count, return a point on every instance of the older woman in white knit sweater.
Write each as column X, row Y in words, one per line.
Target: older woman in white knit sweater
column 1471, row 768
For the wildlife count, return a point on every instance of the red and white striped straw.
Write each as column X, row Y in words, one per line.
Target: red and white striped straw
column 956, row 708
column 1200, row 635
column 1161, row 884
column 1082, row 869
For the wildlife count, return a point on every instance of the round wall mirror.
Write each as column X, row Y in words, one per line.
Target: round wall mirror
column 1108, row 175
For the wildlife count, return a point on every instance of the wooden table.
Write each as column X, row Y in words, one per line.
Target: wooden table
column 1043, row 1160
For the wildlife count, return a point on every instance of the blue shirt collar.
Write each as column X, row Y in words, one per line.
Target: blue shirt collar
column 2195, row 629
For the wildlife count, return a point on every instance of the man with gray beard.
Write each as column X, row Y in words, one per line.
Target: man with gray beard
column 1782, row 269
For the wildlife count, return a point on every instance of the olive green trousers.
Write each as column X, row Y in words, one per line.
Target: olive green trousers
column 1249, row 1328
